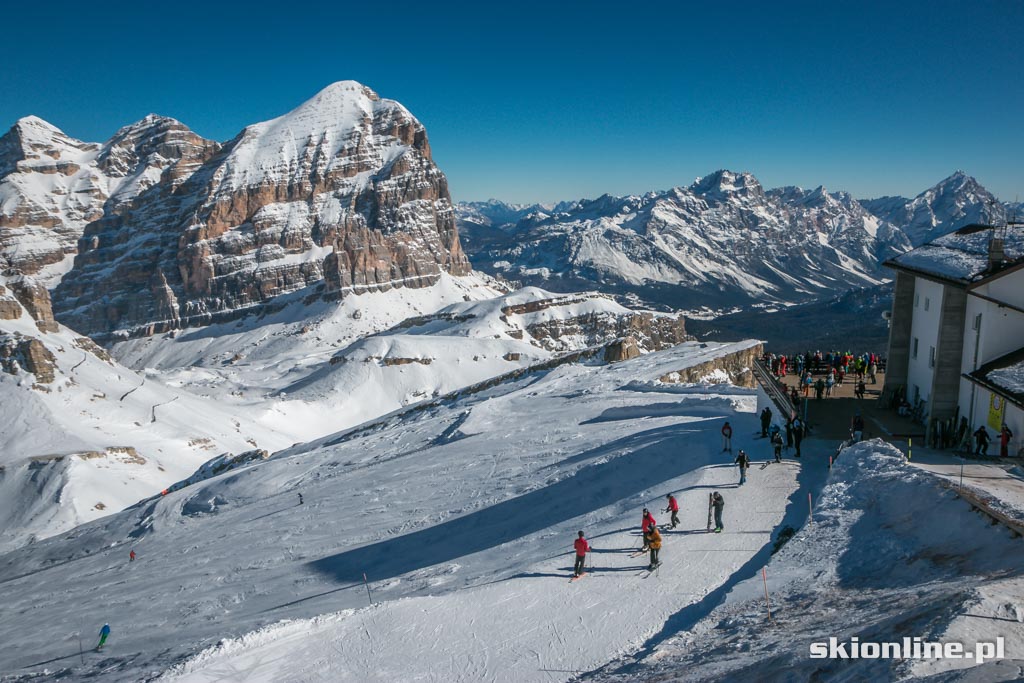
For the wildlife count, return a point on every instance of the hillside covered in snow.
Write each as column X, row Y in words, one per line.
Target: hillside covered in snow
column 436, row 544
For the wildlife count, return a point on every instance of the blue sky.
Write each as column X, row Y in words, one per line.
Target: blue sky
column 544, row 101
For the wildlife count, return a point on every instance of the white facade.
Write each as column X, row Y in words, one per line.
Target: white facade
column 999, row 331
column 924, row 338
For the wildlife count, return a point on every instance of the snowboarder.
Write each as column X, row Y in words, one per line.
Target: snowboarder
column 582, row 548
column 653, row 541
column 719, row 504
column 131, row 556
column 1004, row 441
column 104, row 632
column 857, row 427
column 726, row 437
column 673, row 507
column 766, row 419
column 981, row 438
column 744, row 462
column 777, row 444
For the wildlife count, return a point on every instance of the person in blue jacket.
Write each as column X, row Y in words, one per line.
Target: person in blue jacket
column 104, row 632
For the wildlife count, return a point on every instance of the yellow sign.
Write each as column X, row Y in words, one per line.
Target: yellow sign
column 996, row 408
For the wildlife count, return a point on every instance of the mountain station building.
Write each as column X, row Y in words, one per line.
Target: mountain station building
column 956, row 336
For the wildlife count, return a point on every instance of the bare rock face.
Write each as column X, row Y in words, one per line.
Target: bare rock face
column 19, row 353
column 54, row 185
column 340, row 191
column 10, row 308
column 36, row 300
column 622, row 349
column 737, row 366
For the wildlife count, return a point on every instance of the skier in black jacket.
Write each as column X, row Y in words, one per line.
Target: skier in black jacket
column 744, row 462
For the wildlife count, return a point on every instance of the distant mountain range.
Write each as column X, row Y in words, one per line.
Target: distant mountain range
column 723, row 242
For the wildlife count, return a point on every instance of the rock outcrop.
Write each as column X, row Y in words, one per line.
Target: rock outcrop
column 342, row 190
column 735, row 368
column 19, row 353
column 36, row 300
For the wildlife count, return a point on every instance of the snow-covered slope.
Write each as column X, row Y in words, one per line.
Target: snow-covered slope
column 326, row 366
column 460, row 514
column 890, row 555
column 84, row 436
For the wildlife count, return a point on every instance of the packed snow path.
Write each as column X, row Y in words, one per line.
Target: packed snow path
column 462, row 517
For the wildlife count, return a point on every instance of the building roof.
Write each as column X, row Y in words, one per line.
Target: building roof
column 1004, row 376
column 961, row 257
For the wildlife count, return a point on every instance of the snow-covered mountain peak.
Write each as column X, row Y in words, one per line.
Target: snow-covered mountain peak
column 32, row 139
column 335, row 122
column 723, row 183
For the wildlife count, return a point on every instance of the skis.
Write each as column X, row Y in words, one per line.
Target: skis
column 647, row 572
column 765, row 464
column 577, row 578
column 638, row 554
column 711, row 503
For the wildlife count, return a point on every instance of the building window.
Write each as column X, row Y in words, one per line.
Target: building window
column 977, row 322
column 914, row 355
column 931, row 356
column 926, row 302
column 917, row 300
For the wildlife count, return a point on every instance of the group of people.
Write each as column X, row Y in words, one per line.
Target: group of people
column 651, row 534
column 982, row 439
column 795, row 430
column 838, row 363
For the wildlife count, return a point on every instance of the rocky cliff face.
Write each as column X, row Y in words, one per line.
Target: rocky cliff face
column 52, row 186
column 341, row 190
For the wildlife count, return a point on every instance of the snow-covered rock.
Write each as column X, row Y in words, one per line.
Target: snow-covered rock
column 52, row 186
column 171, row 230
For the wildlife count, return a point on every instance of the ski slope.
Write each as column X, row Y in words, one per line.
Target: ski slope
column 462, row 516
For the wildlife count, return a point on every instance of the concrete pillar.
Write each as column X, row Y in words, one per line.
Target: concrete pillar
column 949, row 352
column 898, row 358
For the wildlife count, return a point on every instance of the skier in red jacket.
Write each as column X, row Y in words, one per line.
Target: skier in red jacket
column 673, row 507
column 582, row 548
column 647, row 521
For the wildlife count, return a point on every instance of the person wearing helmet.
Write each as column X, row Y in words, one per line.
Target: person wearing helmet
column 582, row 548
column 104, row 632
column 646, row 522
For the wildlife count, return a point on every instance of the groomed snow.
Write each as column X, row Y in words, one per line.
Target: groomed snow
column 461, row 515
